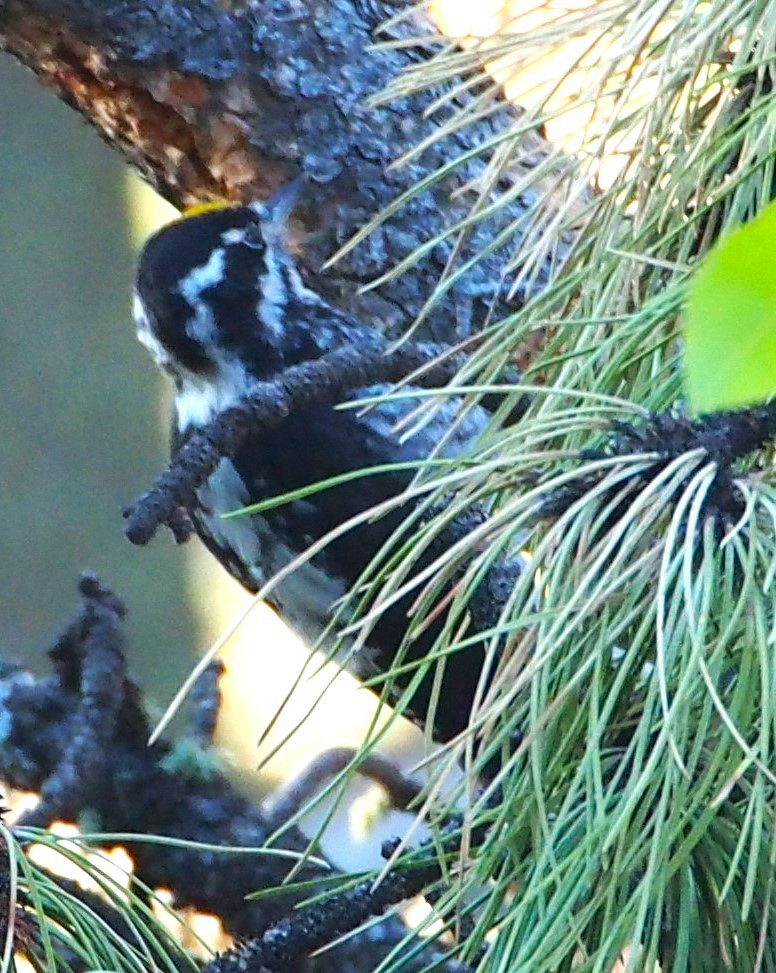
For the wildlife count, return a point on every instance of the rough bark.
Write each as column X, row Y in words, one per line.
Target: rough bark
column 211, row 100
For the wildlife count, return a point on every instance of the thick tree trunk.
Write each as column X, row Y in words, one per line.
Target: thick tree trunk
column 212, row 99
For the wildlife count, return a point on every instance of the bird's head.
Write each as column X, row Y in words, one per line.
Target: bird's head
column 212, row 289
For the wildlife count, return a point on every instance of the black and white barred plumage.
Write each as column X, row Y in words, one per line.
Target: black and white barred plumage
column 220, row 305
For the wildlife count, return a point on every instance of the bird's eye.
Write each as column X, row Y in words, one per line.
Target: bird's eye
column 253, row 237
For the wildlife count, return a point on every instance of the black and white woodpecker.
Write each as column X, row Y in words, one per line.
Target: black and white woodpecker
column 220, row 305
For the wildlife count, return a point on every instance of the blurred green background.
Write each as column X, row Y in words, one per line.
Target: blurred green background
column 81, row 435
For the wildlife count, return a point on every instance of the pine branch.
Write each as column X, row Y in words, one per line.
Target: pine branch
column 725, row 438
column 89, row 658
column 292, row 796
column 126, row 785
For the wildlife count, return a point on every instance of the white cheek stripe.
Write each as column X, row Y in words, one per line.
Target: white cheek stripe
column 231, row 237
column 191, row 288
column 274, row 299
column 200, row 278
column 145, row 335
column 199, row 400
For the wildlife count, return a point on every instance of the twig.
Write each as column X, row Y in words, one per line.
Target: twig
column 327, row 380
column 206, row 701
column 726, row 437
column 286, row 943
column 288, row 801
column 89, row 657
column 134, row 788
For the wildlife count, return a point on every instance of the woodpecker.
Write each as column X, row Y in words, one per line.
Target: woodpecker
column 220, row 305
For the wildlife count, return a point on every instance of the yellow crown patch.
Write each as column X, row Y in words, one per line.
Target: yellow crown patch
column 207, row 207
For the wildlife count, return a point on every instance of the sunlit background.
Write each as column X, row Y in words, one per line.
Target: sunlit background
column 85, row 429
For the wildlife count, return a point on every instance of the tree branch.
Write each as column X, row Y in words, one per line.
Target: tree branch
column 326, row 380
column 726, row 437
column 129, row 787
column 287, row 943
column 222, row 100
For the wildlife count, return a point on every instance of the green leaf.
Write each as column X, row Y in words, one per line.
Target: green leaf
column 730, row 320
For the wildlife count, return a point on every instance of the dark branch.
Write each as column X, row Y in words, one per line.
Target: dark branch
column 289, row 941
column 219, row 100
column 726, row 438
column 327, row 380
column 89, row 659
column 129, row 787
column 292, row 797
column 206, row 703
